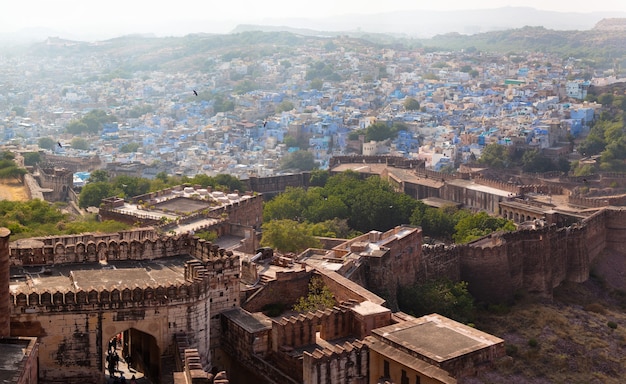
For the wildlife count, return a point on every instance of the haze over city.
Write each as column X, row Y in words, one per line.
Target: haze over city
column 89, row 20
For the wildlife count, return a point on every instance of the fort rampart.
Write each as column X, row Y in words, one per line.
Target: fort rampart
column 74, row 324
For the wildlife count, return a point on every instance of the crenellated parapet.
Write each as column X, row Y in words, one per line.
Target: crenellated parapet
column 393, row 161
column 103, row 298
column 538, row 260
column 482, row 180
column 545, row 189
column 140, row 244
column 439, row 261
column 300, row 330
column 347, row 360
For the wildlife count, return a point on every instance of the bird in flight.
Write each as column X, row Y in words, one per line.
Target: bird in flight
column 59, row 144
column 195, row 93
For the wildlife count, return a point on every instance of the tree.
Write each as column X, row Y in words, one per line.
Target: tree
column 229, row 181
column 410, row 104
column 495, row 156
column 31, row 158
column 90, row 123
column 12, row 172
column 319, row 177
column 99, row 176
column 442, row 296
column 290, row 141
column 76, row 127
column 128, row 186
column 435, row 222
column 288, row 236
column 92, row 194
column 318, row 299
column 46, row 143
column 129, row 147
column 299, row 160
column 19, row 111
column 80, row 143
column 380, row 131
column 317, row 84
column 534, row 161
column 475, row 226
column 287, row 205
column 284, row 106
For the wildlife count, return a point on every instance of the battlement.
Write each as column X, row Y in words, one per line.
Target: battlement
column 395, row 161
column 137, row 244
column 351, row 360
column 300, row 330
column 336, row 351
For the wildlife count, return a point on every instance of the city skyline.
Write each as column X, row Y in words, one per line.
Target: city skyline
column 72, row 18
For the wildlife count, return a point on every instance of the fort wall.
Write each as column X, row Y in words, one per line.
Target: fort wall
column 537, row 261
column 348, row 362
column 286, row 289
column 73, row 325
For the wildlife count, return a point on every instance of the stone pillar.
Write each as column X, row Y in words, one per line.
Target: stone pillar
column 5, row 298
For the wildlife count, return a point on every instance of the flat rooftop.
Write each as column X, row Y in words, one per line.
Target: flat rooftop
column 13, row 351
column 85, row 276
column 437, row 337
column 471, row 185
column 251, row 322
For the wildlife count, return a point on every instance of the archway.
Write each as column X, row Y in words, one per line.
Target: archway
column 132, row 352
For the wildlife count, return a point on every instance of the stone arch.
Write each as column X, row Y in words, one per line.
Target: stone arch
column 148, row 293
column 57, row 298
column 46, row 298
column 123, row 251
column 91, row 251
column 126, row 294
column 137, row 294
column 21, row 300
column 81, row 251
column 141, row 343
column 102, row 251
column 113, row 250
column 70, row 297
column 172, row 291
column 81, row 297
column 116, row 296
column 33, row 298
column 159, row 293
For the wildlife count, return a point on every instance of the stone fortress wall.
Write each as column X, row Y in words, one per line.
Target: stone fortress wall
column 74, row 325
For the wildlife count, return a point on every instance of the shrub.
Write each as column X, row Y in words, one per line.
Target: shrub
column 612, row 324
column 511, row 349
column 533, row 343
column 595, row 308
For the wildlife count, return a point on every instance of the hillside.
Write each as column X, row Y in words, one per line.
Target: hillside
column 570, row 339
column 601, row 46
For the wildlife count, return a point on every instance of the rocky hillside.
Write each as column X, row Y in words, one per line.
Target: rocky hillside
column 578, row 337
column 611, row 25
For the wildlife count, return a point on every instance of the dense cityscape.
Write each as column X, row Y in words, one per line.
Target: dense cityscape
column 309, row 99
column 157, row 303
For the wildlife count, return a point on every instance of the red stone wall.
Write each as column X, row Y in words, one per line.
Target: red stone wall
column 5, row 301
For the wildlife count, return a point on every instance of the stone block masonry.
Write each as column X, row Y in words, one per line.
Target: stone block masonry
column 173, row 285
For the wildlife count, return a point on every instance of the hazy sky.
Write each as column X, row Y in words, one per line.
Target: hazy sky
column 177, row 17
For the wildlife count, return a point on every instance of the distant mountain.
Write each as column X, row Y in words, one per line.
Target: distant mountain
column 413, row 24
column 425, row 24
